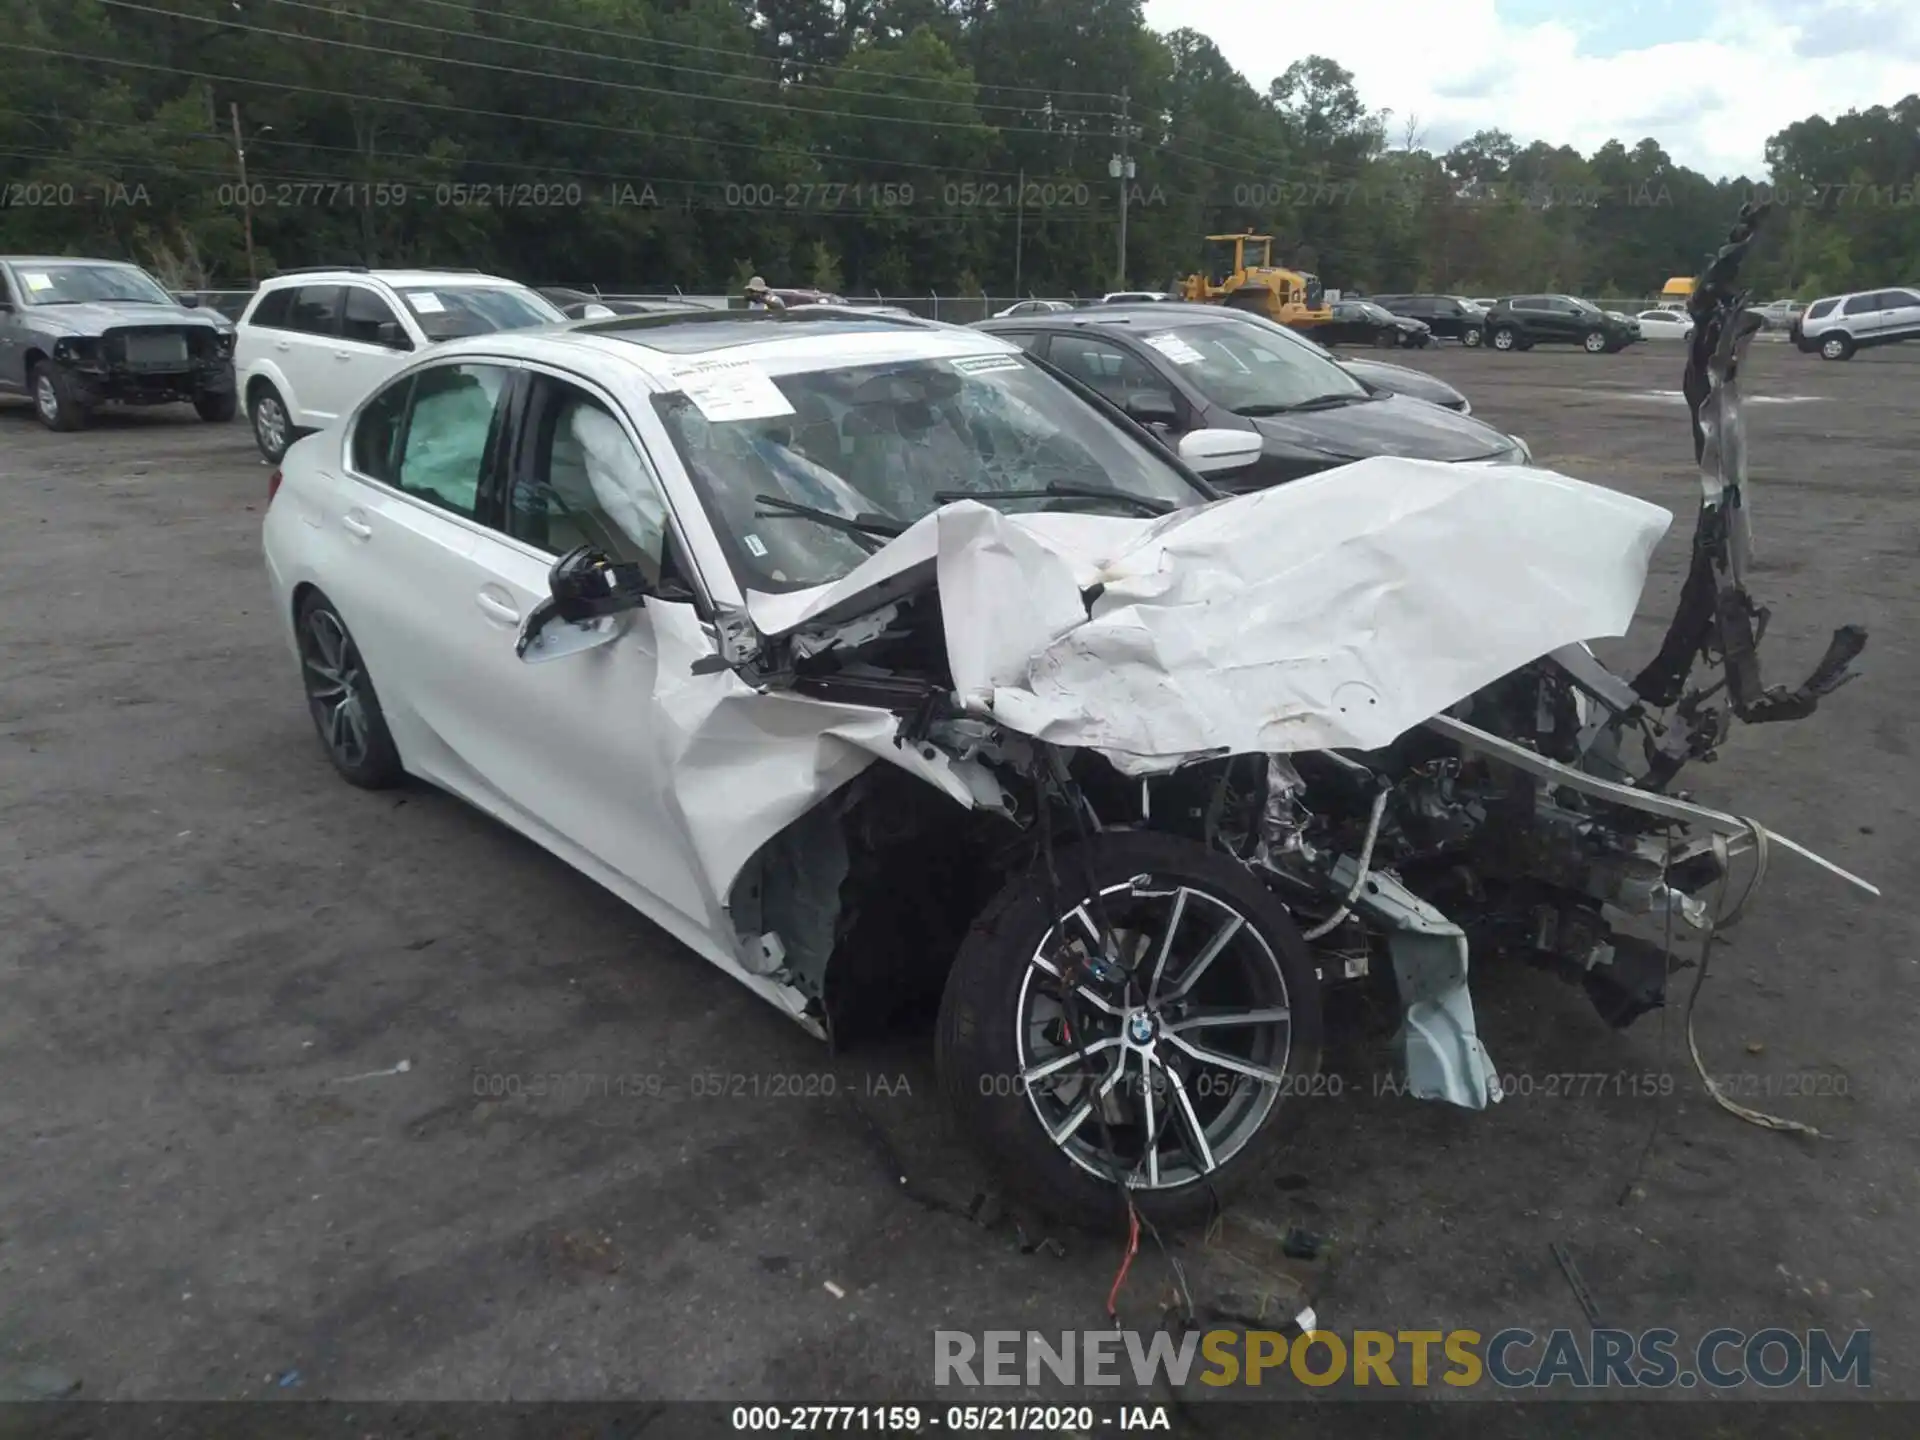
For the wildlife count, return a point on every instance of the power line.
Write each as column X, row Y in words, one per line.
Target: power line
column 631, row 38
column 730, row 75
column 443, row 108
column 621, row 85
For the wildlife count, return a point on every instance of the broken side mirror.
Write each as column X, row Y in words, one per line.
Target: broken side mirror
column 1211, row 452
column 588, row 596
column 1152, row 407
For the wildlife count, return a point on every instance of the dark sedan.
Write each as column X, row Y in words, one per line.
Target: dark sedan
column 1380, row 375
column 1361, row 322
column 575, row 303
column 1178, row 368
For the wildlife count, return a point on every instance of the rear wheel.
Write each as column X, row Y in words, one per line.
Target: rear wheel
column 341, row 698
column 54, row 398
column 1836, row 347
column 1171, row 1059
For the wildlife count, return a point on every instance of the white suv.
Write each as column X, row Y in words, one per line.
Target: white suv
column 312, row 342
column 1838, row 325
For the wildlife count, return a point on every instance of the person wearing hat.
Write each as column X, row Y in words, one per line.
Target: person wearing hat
column 759, row 297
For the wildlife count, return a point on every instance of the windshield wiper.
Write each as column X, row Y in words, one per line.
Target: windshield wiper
column 1317, row 402
column 1059, row 492
column 863, row 527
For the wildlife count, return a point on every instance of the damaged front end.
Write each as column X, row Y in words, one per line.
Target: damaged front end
column 1096, row 730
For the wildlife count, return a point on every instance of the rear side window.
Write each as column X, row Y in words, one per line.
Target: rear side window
column 376, row 437
column 1821, row 308
column 316, row 310
column 1900, row 299
column 449, row 419
column 272, row 310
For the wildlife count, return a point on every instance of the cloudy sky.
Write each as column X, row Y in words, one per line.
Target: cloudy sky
column 1710, row 80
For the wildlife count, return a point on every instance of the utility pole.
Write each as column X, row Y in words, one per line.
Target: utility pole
column 246, row 195
column 1121, row 168
column 1019, row 228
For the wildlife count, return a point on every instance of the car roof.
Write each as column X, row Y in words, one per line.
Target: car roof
column 779, row 344
column 399, row 279
column 1150, row 316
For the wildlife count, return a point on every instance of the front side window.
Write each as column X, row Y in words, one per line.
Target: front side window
column 584, row 483
column 455, row 310
column 1862, row 305
column 367, row 318
column 1104, row 366
column 881, row 445
column 66, row 282
column 444, row 447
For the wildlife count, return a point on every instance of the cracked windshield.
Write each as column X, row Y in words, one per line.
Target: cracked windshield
column 855, row 456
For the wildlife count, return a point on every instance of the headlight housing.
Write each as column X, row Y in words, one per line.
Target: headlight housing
column 75, row 349
column 1525, row 450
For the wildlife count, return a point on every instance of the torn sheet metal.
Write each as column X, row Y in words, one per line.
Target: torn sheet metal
column 743, row 764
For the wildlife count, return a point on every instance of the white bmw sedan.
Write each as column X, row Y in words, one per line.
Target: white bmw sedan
column 882, row 665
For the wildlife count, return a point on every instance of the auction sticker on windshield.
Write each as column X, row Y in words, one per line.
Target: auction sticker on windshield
column 975, row 364
column 729, row 389
column 1175, row 349
column 37, row 279
column 427, row 303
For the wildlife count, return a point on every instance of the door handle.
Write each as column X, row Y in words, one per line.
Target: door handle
column 282, row 345
column 343, row 354
column 495, row 608
column 357, row 527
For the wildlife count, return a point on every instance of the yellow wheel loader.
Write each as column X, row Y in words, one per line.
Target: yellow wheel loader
column 1241, row 273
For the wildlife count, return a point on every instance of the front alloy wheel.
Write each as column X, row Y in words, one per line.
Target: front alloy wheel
column 1505, row 339
column 1595, row 342
column 1471, row 339
column 1149, row 1035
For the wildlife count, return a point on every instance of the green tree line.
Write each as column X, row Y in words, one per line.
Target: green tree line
column 893, row 146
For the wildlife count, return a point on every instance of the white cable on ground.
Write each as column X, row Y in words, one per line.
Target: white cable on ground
column 1715, row 923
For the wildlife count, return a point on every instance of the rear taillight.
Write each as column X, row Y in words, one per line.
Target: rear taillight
column 273, row 484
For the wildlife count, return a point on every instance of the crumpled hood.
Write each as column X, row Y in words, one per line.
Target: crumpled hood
column 1338, row 611
column 97, row 315
column 1388, row 425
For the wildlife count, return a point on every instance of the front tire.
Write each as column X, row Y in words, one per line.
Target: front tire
column 1472, row 339
column 1506, row 338
column 55, row 400
column 1836, row 347
column 272, row 425
column 1595, row 343
column 341, row 699
column 217, row 407
column 1205, row 1022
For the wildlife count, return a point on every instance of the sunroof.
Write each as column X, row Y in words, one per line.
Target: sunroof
column 683, row 334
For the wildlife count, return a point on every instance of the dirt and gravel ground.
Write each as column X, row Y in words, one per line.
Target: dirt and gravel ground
column 269, row 1046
